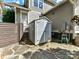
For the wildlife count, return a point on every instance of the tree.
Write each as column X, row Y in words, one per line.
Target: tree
column 0, row 1
column 8, row 16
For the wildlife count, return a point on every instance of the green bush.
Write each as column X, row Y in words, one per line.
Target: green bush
column 8, row 16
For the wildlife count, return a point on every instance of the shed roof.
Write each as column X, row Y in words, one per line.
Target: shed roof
column 42, row 18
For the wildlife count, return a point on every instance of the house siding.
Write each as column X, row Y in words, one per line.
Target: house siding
column 60, row 15
column 47, row 7
column 33, row 15
column 36, row 12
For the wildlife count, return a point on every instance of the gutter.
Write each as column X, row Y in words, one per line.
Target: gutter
column 17, row 6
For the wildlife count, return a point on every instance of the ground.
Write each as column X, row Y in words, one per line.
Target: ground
column 49, row 50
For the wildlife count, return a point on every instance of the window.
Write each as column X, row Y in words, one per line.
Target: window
column 38, row 3
column 41, row 4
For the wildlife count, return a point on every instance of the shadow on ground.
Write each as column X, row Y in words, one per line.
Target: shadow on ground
column 49, row 53
column 52, row 54
column 25, row 39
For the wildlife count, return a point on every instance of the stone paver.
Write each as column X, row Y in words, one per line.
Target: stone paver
column 27, row 55
column 21, row 49
column 7, row 51
column 11, row 57
column 46, row 51
column 21, row 57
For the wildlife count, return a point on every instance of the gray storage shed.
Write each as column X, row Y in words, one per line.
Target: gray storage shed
column 40, row 30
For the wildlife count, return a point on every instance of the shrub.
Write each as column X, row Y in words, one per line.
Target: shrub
column 8, row 16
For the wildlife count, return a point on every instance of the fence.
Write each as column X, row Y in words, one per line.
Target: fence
column 9, row 33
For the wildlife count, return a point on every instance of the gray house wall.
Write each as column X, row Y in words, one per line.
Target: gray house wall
column 60, row 15
column 35, row 11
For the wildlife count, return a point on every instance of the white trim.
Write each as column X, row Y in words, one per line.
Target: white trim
column 24, row 21
column 32, row 2
column 1, row 14
column 29, row 3
column 21, row 12
column 15, row 15
column 38, row 3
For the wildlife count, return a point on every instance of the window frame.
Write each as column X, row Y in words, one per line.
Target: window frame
column 42, row 5
column 38, row 4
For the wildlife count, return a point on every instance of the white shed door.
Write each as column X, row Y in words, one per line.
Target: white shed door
column 40, row 26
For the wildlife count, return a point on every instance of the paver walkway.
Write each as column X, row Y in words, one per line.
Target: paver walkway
column 45, row 51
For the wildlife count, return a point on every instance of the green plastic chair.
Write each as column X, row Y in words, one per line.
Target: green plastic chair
column 64, row 38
